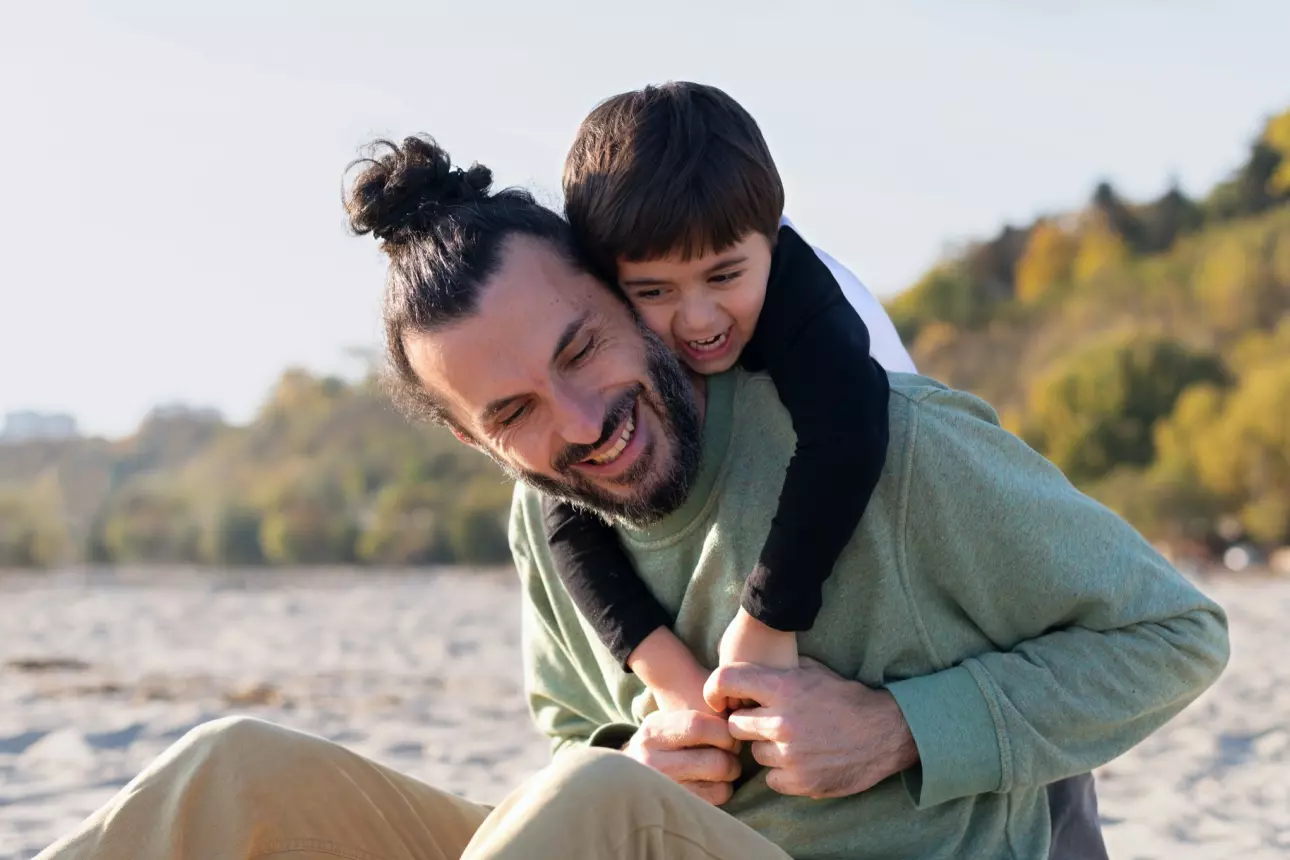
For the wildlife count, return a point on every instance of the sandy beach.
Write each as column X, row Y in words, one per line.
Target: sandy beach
column 100, row 672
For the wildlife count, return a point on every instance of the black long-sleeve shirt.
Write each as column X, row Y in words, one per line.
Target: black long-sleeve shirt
column 815, row 347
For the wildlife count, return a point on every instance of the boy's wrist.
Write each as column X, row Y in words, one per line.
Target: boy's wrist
column 662, row 660
column 751, row 622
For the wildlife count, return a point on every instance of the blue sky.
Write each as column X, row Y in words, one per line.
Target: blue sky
column 172, row 228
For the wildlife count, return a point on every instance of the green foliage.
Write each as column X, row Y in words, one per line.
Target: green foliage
column 1098, row 409
column 327, row 473
column 151, row 524
column 1046, row 264
column 1168, row 218
column 1253, row 189
column 1114, row 218
column 1145, row 349
column 1162, row 507
column 478, row 535
column 1245, row 455
column 31, row 535
column 305, row 533
column 1100, row 250
column 232, row 537
column 1181, row 436
column 407, row 526
column 947, row 294
column 1276, row 137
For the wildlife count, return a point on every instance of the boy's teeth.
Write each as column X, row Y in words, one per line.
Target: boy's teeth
column 707, row 344
column 623, row 438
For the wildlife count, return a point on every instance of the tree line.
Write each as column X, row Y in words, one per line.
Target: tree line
column 1143, row 347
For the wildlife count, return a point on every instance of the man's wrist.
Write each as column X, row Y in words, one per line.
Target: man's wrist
column 903, row 749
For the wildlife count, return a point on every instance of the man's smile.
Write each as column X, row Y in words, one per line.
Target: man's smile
column 621, row 449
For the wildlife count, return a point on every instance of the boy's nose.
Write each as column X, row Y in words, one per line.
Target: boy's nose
column 697, row 317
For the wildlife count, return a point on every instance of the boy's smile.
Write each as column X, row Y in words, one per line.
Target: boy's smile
column 704, row 308
column 712, row 349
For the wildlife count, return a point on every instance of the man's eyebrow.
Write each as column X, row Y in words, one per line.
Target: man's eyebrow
column 492, row 409
column 570, row 332
column 561, row 344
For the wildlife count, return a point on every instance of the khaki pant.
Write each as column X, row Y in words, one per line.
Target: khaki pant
column 244, row 788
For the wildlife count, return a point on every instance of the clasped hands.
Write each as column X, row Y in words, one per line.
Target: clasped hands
column 819, row 734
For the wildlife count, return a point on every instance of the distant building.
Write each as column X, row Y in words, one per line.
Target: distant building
column 175, row 411
column 29, row 426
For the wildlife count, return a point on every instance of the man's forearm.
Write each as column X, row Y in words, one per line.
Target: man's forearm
column 1054, row 706
column 1097, row 640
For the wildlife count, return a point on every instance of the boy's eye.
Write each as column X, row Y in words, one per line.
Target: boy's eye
column 725, row 277
column 648, row 295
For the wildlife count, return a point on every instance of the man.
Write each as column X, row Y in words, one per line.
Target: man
column 989, row 631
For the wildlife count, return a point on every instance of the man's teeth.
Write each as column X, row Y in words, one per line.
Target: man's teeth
column 709, row 344
column 621, row 445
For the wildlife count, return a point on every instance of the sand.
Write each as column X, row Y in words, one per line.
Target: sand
column 100, row 672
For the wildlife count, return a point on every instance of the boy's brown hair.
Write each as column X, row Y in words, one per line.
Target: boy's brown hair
column 678, row 168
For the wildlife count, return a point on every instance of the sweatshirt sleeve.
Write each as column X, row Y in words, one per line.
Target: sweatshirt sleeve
column 1093, row 640
column 560, row 700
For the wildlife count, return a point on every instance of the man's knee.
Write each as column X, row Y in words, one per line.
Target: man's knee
column 231, row 733
column 241, row 743
column 591, row 777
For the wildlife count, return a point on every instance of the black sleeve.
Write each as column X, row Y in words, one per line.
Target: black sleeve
column 815, row 347
column 600, row 578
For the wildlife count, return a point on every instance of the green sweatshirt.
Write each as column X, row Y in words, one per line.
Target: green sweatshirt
column 1027, row 633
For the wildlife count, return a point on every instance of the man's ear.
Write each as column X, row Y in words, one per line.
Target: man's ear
column 463, row 437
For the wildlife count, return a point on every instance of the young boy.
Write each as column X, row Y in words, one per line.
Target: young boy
column 674, row 197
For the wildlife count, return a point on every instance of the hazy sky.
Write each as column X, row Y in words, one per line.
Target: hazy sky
column 171, row 227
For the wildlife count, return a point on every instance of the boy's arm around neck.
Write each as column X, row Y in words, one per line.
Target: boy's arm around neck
column 815, row 348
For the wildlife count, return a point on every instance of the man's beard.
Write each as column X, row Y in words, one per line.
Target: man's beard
column 654, row 494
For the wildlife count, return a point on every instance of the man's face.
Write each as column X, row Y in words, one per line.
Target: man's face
column 556, row 380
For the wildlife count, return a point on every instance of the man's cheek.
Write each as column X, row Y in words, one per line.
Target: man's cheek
column 660, row 323
column 521, row 457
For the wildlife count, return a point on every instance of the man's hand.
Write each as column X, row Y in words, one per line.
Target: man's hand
column 820, row 734
column 748, row 640
column 693, row 749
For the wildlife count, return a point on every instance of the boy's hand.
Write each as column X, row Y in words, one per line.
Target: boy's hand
column 684, row 692
column 670, row 671
column 747, row 640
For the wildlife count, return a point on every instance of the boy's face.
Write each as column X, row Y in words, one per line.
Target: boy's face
column 706, row 308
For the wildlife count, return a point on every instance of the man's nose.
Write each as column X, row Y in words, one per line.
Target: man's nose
column 579, row 416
